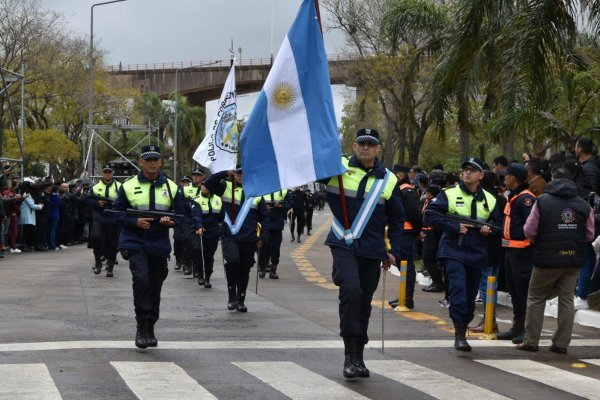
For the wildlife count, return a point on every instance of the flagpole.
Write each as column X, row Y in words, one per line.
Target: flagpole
column 340, row 180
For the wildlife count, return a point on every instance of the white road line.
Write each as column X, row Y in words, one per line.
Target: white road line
column 27, row 382
column 592, row 361
column 160, row 381
column 298, row 383
column 434, row 383
column 265, row 345
column 570, row 382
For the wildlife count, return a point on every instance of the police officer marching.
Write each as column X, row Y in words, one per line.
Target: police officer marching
column 518, row 255
column 278, row 204
column 207, row 213
column 240, row 240
column 182, row 236
column 462, row 248
column 191, row 192
column 357, row 240
column 104, row 235
column 145, row 241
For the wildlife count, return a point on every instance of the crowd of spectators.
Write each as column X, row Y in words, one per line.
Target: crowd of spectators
column 41, row 215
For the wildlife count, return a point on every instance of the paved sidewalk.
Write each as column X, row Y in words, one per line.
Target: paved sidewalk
column 582, row 317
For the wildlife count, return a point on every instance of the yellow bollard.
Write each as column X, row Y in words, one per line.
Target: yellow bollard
column 489, row 309
column 402, row 289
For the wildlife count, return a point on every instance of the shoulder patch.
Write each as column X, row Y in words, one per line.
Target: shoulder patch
column 528, row 202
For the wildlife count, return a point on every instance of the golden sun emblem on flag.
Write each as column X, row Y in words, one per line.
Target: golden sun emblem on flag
column 284, row 96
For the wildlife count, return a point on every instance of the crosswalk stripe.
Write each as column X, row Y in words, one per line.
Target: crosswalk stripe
column 431, row 382
column 592, row 361
column 267, row 344
column 296, row 382
column 570, row 382
column 27, row 381
column 160, row 380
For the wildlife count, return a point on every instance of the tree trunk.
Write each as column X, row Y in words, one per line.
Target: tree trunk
column 401, row 145
column 415, row 147
column 388, row 151
column 508, row 147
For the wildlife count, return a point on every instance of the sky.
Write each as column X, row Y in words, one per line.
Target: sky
column 156, row 31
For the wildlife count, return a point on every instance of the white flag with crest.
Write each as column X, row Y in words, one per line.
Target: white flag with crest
column 218, row 151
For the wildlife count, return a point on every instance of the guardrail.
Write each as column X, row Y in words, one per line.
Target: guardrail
column 210, row 64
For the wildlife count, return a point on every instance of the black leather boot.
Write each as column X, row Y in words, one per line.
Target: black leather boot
column 152, row 342
column 207, row 284
column 262, row 270
column 359, row 362
column 109, row 268
column 273, row 272
column 350, row 371
column 232, row 300
column 187, row 270
column 240, row 303
column 141, row 335
column 97, row 267
column 460, row 340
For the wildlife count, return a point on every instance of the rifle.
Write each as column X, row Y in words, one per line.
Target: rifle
column 100, row 198
column 472, row 223
column 146, row 213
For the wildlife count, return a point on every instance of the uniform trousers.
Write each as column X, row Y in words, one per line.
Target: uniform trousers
column 179, row 241
column 105, row 239
column 357, row 278
column 547, row 283
column 463, row 284
column 298, row 221
column 430, row 262
column 585, row 276
column 518, row 264
column 238, row 273
column 309, row 217
column 270, row 250
column 204, row 248
column 148, row 274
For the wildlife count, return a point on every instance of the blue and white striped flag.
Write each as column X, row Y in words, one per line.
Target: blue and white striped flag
column 291, row 137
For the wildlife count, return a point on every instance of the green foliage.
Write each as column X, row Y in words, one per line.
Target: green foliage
column 42, row 147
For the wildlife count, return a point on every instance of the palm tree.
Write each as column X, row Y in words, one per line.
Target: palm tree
column 507, row 52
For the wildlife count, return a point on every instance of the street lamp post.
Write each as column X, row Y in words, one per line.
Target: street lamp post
column 91, row 67
column 175, row 125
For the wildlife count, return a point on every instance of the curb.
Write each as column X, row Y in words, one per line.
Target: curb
column 589, row 318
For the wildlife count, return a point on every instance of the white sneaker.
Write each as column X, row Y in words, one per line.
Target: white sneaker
column 62, row 246
column 581, row 304
column 15, row 250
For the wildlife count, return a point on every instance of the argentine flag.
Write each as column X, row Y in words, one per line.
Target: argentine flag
column 291, row 137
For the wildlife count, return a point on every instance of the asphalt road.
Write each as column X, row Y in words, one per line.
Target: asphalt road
column 67, row 333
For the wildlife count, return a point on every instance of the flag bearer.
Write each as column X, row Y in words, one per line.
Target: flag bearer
column 359, row 249
column 240, row 241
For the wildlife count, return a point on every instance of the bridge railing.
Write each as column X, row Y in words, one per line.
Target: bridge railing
column 210, row 64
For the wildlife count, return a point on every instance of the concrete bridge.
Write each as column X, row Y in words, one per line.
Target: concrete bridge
column 203, row 81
